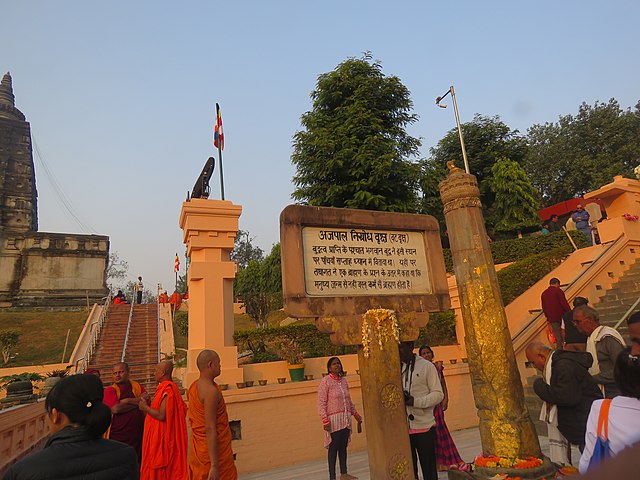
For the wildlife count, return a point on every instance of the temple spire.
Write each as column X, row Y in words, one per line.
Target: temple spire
column 6, row 90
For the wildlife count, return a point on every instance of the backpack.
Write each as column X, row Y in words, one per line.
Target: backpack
column 601, row 450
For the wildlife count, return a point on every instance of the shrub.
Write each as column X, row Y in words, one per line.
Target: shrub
column 181, row 320
column 20, row 377
column 8, row 341
column 505, row 251
column 312, row 342
column 441, row 330
column 518, row 277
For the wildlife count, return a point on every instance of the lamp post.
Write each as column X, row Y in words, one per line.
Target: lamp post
column 455, row 109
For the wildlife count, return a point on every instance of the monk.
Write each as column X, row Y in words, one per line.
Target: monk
column 164, row 444
column 123, row 397
column 210, row 454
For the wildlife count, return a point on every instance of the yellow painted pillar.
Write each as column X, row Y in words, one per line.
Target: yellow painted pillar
column 506, row 430
column 209, row 231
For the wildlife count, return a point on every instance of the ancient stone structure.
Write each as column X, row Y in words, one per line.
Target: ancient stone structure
column 38, row 269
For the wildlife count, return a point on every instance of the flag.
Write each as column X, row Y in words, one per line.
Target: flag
column 218, row 135
column 176, row 265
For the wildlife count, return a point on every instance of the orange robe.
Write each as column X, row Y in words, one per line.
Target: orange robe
column 199, row 463
column 164, row 445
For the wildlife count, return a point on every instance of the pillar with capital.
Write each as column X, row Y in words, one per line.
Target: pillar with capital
column 209, row 231
column 506, row 430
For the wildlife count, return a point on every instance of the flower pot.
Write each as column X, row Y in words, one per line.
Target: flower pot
column 308, row 377
column 223, row 386
column 262, row 382
column 240, row 384
column 249, row 383
column 296, row 372
column 282, row 380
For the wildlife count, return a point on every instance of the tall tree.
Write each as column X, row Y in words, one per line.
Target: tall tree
column 486, row 139
column 244, row 251
column 354, row 151
column 116, row 269
column 515, row 207
column 260, row 286
column 583, row 152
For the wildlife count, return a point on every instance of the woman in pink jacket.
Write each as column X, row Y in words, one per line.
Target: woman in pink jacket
column 335, row 409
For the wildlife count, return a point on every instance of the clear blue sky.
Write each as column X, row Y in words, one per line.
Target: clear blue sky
column 121, row 95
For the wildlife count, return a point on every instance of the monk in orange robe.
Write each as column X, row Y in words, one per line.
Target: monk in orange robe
column 210, row 453
column 164, row 444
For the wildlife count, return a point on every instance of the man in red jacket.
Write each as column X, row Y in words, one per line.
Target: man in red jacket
column 554, row 305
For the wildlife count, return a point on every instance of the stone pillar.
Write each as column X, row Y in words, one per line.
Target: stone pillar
column 209, row 231
column 506, row 429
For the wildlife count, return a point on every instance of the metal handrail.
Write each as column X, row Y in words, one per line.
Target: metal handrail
column 158, row 315
column 96, row 333
column 624, row 317
column 126, row 336
column 536, row 317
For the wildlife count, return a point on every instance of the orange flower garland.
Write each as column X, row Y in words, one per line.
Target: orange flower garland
column 495, row 462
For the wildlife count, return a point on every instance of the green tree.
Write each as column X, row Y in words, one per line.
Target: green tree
column 486, row 139
column 8, row 341
column 244, row 251
column 515, row 206
column 354, row 151
column 260, row 286
column 182, row 285
column 583, row 152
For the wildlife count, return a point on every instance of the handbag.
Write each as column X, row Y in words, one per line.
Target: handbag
column 601, row 450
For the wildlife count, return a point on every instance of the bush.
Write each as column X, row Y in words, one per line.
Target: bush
column 441, row 330
column 8, row 341
column 518, row 277
column 506, row 251
column 312, row 342
column 181, row 320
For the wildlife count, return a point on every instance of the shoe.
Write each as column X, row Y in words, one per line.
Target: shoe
column 346, row 476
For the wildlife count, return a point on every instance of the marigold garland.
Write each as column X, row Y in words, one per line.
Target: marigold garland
column 386, row 327
column 494, row 462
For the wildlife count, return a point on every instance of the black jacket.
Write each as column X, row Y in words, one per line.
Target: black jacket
column 71, row 454
column 572, row 390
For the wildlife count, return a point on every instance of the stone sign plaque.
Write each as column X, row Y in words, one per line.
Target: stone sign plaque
column 347, row 262
column 342, row 262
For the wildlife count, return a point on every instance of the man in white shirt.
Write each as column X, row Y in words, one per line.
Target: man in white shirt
column 604, row 344
column 422, row 392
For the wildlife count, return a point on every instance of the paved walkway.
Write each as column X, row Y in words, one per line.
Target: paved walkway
column 467, row 441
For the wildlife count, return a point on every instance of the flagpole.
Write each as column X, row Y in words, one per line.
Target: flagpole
column 221, row 177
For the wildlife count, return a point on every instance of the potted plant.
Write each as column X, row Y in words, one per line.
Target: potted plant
column 51, row 379
column 289, row 349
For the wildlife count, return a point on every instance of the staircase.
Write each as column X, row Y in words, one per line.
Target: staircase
column 142, row 346
column 611, row 307
column 619, row 298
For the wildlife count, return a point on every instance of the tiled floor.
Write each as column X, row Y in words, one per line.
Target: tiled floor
column 467, row 441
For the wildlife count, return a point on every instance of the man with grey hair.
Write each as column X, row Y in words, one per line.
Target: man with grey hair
column 604, row 344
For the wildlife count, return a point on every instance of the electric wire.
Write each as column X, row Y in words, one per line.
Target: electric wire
column 61, row 197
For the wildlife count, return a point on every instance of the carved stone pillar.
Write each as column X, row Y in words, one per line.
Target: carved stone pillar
column 506, row 429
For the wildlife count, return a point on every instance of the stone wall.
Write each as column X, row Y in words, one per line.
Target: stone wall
column 39, row 269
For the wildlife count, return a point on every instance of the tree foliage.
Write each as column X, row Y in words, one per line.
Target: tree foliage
column 8, row 341
column 260, row 286
column 515, row 206
column 354, row 151
column 486, row 139
column 244, row 251
column 116, row 268
column 582, row 152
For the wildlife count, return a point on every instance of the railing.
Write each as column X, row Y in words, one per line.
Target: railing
column 126, row 336
column 158, row 315
column 93, row 341
column 534, row 320
column 624, row 317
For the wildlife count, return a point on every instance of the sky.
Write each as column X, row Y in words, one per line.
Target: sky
column 121, row 95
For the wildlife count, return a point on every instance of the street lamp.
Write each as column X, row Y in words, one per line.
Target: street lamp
column 455, row 109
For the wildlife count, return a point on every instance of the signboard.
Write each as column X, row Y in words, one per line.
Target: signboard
column 364, row 262
column 340, row 262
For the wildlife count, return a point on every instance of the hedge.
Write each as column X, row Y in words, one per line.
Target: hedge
column 441, row 330
column 518, row 277
column 505, row 251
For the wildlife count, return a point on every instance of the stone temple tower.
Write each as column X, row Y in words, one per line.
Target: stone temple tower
column 18, row 195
